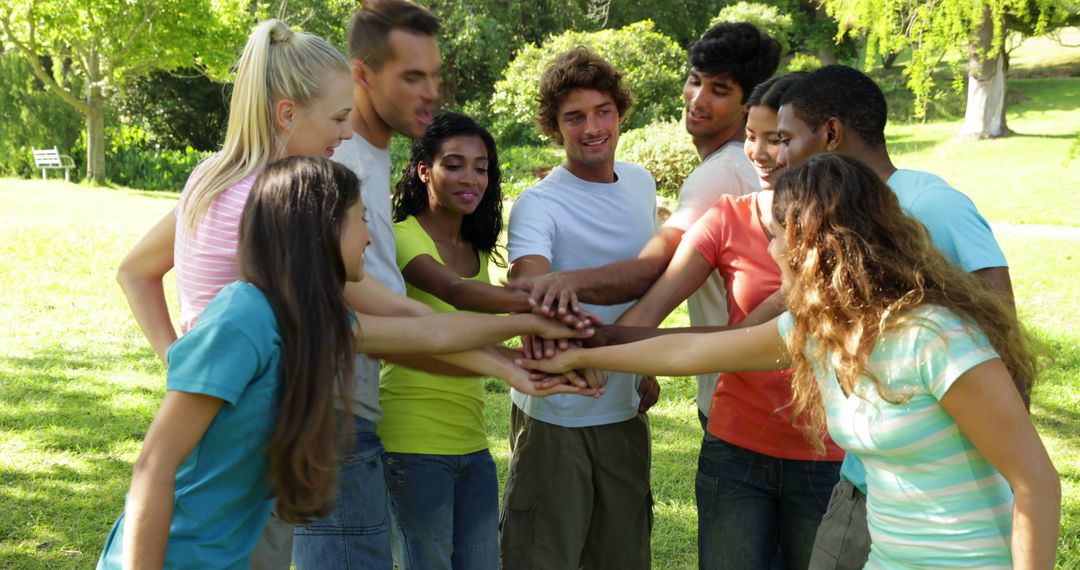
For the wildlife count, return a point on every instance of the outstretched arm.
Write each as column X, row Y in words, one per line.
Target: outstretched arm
column 684, row 275
column 424, row 273
column 619, row 282
column 754, row 348
column 988, row 409
column 178, row 426
column 445, row 333
column 141, row 276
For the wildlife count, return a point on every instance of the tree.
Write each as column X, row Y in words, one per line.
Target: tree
column 110, row 42
column 931, row 29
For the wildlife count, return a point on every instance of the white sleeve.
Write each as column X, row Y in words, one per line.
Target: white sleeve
column 699, row 192
column 532, row 228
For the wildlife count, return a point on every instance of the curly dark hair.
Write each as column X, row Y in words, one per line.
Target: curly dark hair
column 578, row 68
column 480, row 228
column 737, row 49
column 845, row 93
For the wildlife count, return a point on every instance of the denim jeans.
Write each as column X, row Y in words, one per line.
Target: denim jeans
column 445, row 510
column 756, row 511
column 356, row 535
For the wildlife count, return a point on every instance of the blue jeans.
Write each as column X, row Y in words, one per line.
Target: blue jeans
column 356, row 535
column 756, row 511
column 445, row 510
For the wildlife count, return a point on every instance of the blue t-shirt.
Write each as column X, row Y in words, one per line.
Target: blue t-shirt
column 958, row 231
column 222, row 496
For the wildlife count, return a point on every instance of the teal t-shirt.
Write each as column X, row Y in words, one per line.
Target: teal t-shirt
column 958, row 231
column 222, row 495
column 934, row 500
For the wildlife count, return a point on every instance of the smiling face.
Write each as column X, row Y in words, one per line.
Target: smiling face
column 316, row 130
column 458, row 177
column 354, row 241
column 589, row 128
column 714, row 105
column 762, row 144
column 798, row 141
column 405, row 90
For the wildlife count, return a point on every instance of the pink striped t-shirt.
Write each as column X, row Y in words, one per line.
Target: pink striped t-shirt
column 204, row 259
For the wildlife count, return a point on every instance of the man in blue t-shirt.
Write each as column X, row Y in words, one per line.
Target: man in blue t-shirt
column 840, row 109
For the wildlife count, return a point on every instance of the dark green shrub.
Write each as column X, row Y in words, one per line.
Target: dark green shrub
column 179, row 109
column 766, row 18
column 132, row 161
column 653, row 64
column 664, row 149
column 523, row 166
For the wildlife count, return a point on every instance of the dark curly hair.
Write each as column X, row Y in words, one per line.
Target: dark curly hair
column 842, row 92
column 578, row 68
column 480, row 228
column 737, row 49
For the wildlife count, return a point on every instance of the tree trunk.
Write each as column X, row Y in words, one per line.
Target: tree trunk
column 827, row 52
column 95, row 125
column 984, row 116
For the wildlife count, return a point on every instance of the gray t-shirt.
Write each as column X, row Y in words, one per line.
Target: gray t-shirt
column 372, row 165
column 576, row 224
column 725, row 171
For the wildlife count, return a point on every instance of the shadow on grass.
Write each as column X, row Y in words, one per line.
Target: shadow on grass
column 69, row 421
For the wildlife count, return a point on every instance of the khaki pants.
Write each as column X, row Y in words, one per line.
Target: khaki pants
column 843, row 539
column 577, row 497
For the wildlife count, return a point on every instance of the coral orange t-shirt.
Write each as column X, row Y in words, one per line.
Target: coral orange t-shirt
column 749, row 409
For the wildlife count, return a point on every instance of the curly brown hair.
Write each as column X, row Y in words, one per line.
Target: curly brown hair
column 860, row 265
column 578, row 68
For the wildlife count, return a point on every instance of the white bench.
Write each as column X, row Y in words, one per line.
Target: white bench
column 50, row 159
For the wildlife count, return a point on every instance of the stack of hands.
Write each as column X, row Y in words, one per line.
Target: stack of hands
column 548, row 361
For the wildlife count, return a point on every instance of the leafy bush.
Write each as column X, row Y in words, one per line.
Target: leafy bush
column 802, row 62
column 31, row 117
column 767, row 18
column 178, row 110
column 664, row 149
column 132, row 161
column 523, row 166
column 653, row 65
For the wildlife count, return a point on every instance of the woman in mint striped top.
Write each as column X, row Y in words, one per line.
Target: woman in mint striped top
column 909, row 360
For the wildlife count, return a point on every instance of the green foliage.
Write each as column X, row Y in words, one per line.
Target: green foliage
column 524, row 166
column 652, row 64
column 767, row 18
column 664, row 149
column 178, row 110
column 133, row 161
column 932, row 30
column 802, row 62
column 31, row 118
column 680, row 20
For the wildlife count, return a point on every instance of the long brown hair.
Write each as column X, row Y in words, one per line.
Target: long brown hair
column 860, row 264
column 290, row 249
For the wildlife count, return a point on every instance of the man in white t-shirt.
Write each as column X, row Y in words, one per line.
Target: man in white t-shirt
column 578, row 490
column 726, row 63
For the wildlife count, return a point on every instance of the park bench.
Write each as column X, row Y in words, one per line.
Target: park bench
column 50, row 159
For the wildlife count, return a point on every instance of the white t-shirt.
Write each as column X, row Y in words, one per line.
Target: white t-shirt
column 725, row 171
column 372, row 165
column 577, row 224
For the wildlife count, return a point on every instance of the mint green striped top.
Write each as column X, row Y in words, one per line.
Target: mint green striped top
column 934, row 501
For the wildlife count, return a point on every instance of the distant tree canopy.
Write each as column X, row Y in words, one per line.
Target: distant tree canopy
column 110, row 42
column 932, row 29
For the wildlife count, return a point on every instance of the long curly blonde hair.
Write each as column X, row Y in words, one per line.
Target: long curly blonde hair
column 859, row 265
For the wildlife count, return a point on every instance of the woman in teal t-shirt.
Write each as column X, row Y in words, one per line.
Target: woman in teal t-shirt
column 908, row 359
column 440, row 476
column 249, row 410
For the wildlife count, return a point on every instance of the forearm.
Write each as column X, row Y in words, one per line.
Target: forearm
column 620, row 334
column 615, row 283
column 148, row 516
column 428, row 363
column 1036, row 523
column 371, row 297
column 146, row 297
column 467, row 295
column 460, row 332
column 489, row 361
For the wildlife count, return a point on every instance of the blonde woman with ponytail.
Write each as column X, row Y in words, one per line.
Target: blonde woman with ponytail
column 292, row 97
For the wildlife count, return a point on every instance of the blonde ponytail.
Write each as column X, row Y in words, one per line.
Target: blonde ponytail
column 277, row 63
